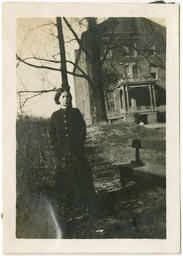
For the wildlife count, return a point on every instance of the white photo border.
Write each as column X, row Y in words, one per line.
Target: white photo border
column 11, row 244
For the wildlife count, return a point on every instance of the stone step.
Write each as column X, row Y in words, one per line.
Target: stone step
column 100, row 168
column 97, row 169
column 108, row 173
column 96, row 161
column 97, row 166
column 107, row 185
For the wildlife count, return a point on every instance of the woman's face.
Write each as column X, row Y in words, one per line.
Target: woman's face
column 64, row 100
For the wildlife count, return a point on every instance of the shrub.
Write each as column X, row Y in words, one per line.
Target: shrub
column 34, row 158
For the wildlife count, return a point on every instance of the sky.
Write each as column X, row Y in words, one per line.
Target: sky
column 37, row 37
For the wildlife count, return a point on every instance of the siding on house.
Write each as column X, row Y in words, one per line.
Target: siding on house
column 82, row 90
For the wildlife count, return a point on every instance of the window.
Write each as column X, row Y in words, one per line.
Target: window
column 135, row 71
column 134, row 50
column 154, row 72
column 129, row 50
column 131, row 71
column 152, row 50
column 126, row 50
column 127, row 71
column 121, row 98
column 106, row 48
column 111, row 101
column 109, row 53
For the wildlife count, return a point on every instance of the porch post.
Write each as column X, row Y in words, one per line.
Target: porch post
column 123, row 98
column 127, row 99
column 154, row 96
column 150, row 92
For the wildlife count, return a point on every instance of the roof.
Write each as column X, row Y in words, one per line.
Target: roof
column 137, row 82
column 131, row 25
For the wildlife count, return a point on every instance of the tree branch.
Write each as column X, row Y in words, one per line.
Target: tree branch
column 82, row 71
column 70, row 41
column 46, row 81
column 77, row 38
column 108, row 46
column 21, row 81
column 43, row 25
column 42, row 59
column 36, row 66
column 36, row 93
column 30, row 98
column 45, row 67
column 39, row 91
column 77, row 60
column 149, row 61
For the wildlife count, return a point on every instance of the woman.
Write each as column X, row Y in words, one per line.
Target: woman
column 68, row 134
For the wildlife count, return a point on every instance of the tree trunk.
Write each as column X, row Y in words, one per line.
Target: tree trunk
column 63, row 67
column 93, row 44
column 98, row 95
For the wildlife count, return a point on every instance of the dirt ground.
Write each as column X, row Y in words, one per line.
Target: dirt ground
column 134, row 212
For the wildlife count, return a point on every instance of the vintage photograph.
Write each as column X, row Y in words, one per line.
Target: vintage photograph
column 91, row 128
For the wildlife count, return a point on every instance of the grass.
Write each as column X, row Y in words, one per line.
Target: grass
column 112, row 142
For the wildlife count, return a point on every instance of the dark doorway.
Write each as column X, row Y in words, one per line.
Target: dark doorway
column 139, row 96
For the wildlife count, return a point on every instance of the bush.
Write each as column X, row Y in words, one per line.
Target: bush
column 34, row 158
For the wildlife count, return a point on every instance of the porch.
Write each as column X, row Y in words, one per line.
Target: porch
column 133, row 101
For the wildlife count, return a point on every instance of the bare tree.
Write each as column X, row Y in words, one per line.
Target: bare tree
column 50, row 64
column 95, row 80
column 93, row 56
column 63, row 66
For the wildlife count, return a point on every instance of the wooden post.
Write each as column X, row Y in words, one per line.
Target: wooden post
column 137, row 145
column 123, row 99
column 154, row 96
column 127, row 98
column 150, row 92
column 137, row 155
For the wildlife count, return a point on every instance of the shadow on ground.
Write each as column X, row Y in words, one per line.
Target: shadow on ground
column 136, row 211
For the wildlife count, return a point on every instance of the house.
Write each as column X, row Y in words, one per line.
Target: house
column 133, row 71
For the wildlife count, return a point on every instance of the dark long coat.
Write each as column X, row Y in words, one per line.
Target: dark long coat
column 73, row 176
